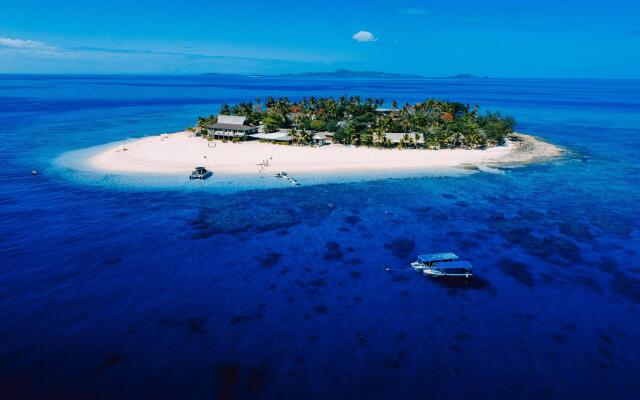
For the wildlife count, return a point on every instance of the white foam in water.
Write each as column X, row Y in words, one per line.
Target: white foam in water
column 490, row 170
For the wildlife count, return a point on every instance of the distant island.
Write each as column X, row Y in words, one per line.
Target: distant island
column 348, row 74
column 466, row 76
column 345, row 73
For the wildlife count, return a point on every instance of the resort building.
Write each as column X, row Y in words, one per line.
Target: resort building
column 396, row 137
column 293, row 117
column 384, row 111
column 284, row 136
column 230, row 127
column 322, row 138
column 281, row 136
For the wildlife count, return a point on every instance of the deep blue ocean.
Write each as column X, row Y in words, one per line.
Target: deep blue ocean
column 116, row 291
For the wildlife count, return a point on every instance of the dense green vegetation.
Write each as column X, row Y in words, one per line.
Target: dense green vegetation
column 432, row 123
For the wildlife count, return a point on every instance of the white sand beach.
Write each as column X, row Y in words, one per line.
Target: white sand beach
column 180, row 153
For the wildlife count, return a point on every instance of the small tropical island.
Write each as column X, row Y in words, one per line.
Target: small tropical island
column 331, row 135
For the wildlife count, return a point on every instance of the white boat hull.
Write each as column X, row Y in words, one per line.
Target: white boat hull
column 418, row 266
column 439, row 274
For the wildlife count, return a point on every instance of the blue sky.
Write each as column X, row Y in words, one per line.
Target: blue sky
column 500, row 38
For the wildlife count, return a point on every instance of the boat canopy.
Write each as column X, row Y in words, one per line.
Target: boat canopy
column 437, row 257
column 455, row 266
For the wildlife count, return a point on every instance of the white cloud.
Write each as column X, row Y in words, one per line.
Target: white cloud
column 21, row 44
column 413, row 11
column 364, row 36
column 28, row 47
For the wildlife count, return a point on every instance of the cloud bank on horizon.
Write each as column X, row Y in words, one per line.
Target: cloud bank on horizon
column 20, row 44
column 41, row 57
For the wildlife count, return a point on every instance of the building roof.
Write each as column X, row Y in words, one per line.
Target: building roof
column 280, row 136
column 231, row 119
column 455, row 265
column 322, row 135
column 395, row 137
column 231, row 127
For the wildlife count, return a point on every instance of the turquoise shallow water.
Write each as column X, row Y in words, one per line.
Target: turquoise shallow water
column 113, row 289
column 75, row 166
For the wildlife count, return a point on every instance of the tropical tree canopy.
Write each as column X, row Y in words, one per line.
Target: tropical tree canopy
column 431, row 123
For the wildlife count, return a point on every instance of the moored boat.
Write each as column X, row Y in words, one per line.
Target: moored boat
column 443, row 265
column 200, row 173
column 452, row 269
column 428, row 260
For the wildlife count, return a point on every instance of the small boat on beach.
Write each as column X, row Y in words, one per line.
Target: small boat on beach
column 200, row 173
column 287, row 177
column 443, row 265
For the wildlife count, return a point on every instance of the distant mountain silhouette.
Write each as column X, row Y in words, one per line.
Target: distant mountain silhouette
column 345, row 73
column 348, row 74
column 465, row 76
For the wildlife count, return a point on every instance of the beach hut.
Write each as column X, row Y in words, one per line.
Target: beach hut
column 396, row 137
column 322, row 138
column 274, row 137
column 384, row 111
column 230, row 127
column 293, row 118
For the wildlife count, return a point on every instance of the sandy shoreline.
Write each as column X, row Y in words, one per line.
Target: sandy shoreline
column 179, row 153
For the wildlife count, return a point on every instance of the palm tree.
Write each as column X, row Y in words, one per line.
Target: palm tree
column 379, row 137
column 342, row 101
column 454, row 139
column 406, row 140
column 225, row 109
column 350, row 132
column 270, row 102
column 385, row 124
column 406, row 124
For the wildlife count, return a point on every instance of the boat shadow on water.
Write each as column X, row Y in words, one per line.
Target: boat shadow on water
column 461, row 283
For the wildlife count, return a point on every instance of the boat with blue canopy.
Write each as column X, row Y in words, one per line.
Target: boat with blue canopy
column 443, row 265
column 452, row 269
column 428, row 260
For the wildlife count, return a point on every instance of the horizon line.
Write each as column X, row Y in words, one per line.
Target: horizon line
column 288, row 75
